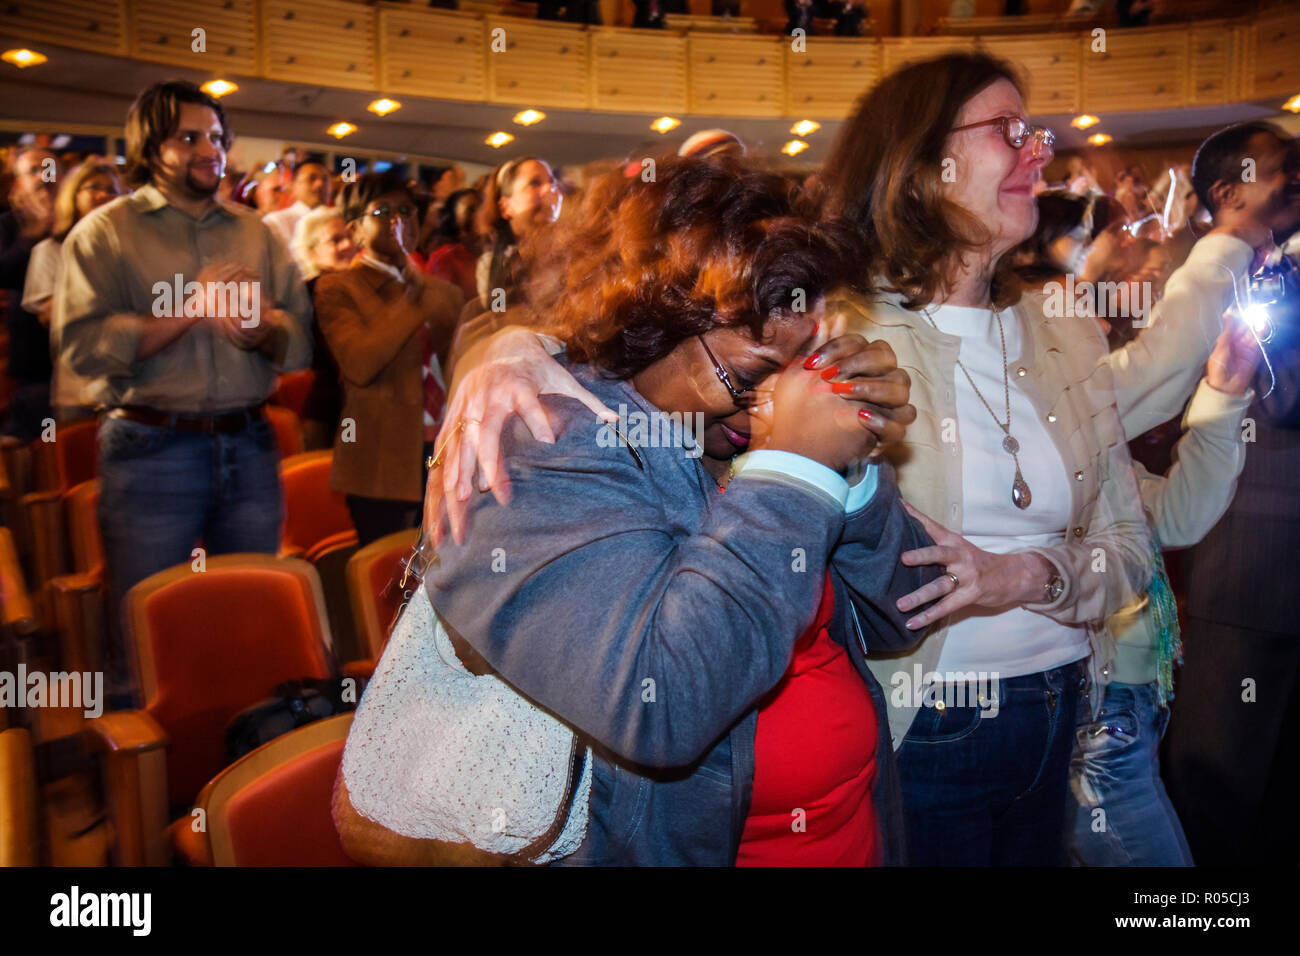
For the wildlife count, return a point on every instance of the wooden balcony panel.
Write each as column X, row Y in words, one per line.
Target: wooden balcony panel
column 637, row 73
column 899, row 51
column 429, row 53
column 1276, row 59
column 162, row 32
column 1048, row 65
column 829, row 78
column 326, row 42
column 996, row 25
column 736, row 75
column 95, row 25
column 1140, row 70
column 1213, row 57
column 543, row 63
column 731, row 25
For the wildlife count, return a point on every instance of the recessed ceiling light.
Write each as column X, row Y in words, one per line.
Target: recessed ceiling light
column 23, row 58
column 1084, row 121
column 1099, row 139
column 384, row 106
column 665, row 124
column 341, row 129
column 529, row 117
column 218, row 88
column 794, row 147
column 1293, row 104
column 804, row 127
column 499, row 139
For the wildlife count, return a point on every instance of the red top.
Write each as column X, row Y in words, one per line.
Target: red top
column 454, row 263
column 814, row 760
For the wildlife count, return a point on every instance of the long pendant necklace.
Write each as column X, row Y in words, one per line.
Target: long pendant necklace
column 1020, row 494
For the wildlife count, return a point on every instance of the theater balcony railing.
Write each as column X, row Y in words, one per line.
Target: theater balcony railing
column 395, row 49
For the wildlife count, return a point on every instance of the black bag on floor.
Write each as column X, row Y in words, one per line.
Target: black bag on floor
column 293, row 704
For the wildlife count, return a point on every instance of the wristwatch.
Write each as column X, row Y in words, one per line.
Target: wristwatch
column 1053, row 588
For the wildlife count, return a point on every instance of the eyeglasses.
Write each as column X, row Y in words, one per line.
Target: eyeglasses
column 744, row 398
column 100, row 189
column 405, row 210
column 1016, row 131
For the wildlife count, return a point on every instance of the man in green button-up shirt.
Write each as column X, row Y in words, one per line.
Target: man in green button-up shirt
column 188, row 309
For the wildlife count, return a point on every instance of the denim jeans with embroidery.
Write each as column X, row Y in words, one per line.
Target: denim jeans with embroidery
column 1122, row 815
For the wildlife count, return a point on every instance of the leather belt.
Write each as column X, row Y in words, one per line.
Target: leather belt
column 225, row 423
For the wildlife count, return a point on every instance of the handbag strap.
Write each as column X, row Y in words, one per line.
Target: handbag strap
column 577, row 756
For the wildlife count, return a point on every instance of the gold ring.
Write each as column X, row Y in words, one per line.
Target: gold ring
column 955, row 583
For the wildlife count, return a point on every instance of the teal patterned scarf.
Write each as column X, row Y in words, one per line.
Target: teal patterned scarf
column 1164, row 611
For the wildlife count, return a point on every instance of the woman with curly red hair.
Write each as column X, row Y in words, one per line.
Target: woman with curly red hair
column 652, row 595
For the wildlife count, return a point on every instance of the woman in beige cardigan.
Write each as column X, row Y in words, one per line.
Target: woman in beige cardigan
column 1017, row 460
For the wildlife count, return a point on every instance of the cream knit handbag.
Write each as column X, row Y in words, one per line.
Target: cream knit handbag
column 446, row 766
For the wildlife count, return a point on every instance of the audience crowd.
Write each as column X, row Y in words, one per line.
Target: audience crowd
column 390, row 290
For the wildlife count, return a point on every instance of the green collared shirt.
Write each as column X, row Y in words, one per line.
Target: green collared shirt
column 120, row 269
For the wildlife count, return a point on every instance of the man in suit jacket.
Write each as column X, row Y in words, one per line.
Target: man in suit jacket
column 1232, row 754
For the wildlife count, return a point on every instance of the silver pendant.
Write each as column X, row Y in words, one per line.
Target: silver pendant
column 1010, row 445
column 1020, row 496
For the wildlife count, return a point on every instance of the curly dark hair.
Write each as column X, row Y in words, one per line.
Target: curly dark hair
column 706, row 243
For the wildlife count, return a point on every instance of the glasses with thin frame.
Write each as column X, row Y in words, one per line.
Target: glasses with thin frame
column 1017, row 131
column 404, row 210
column 744, row 398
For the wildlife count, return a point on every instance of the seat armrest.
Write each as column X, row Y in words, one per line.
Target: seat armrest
column 133, row 746
column 77, row 607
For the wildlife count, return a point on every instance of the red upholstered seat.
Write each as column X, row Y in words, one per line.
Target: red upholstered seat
column 369, row 573
column 208, row 644
column 312, row 510
column 292, row 389
column 65, row 456
column 81, row 506
column 283, row 817
column 288, row 429
column 77, row 449
column 272, row 806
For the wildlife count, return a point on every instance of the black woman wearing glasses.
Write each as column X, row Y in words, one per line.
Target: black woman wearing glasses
column 386, row 323
column 652, row 593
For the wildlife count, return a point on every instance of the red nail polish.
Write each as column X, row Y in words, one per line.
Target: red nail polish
column 831, row 372
column 812, row 361
column 866, row 415
column 841, row 388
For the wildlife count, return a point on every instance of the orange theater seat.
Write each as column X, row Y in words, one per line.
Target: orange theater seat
column 71, row 458
column 312, row 510
column 19, row 836
column 208, row 644
column 374, row 603
column 292, row 389
column 288, row 430
column 272, row 807
column 81, row 511
column 77, row 451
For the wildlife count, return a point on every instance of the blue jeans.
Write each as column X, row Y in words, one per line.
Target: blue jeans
column 163, row 491
column 1122, row 815
column 993, row 790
